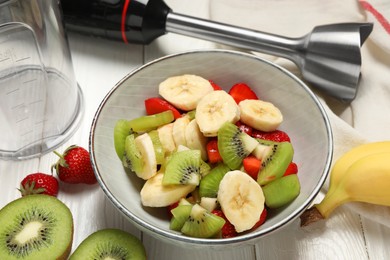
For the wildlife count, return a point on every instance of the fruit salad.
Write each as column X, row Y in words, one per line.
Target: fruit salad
column 214, row 158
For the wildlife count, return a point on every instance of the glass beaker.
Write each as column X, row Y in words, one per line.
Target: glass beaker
column 41, row 104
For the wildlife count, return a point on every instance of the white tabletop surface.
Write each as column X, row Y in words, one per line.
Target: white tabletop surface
column 99, row 64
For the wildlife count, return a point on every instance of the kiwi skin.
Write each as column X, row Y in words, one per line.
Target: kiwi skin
column 61, row 230
column 124, row 245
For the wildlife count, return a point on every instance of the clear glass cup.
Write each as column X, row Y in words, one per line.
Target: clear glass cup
column 41, row 104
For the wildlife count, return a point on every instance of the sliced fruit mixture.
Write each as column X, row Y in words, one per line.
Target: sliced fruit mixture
column 215, row 159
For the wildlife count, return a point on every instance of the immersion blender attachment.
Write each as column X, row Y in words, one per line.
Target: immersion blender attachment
column 329, row 56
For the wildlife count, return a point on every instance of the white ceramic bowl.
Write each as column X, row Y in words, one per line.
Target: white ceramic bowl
column 304, row 120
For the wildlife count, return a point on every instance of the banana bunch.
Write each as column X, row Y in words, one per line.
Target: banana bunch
column 361, row 175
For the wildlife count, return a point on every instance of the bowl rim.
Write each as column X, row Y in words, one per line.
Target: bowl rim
column 251, row 236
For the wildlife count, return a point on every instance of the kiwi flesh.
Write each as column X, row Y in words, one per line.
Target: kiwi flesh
column 209, row 184
column 202, row 223
column 121, row 130
column 132, row 158
column 234, row 145
column 183, row 168
column 282, row 191
column 110, row 244
column 179, row 216
column 35, row 227
column 275, row 163
column 157, row 145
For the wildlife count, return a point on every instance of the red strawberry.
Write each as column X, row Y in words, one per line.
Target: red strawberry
column 74, row 166
column 262, row 219
column 228, row 229
column 214, row 85
column 276, row 136
column 291, row 169
column 244, row 128
column 39, row 183
column 157, row 105
column 212, row 151
column 251, row 166
column 242, row 91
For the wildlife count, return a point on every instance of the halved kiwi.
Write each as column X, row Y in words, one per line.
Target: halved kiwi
column 234, row 145
column 110, row 244
column 35, row 227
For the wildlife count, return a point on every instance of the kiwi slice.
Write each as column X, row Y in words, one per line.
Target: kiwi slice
column 275, row 163
column 201, row 223
column 35, row 227
column 121, row 131
column 147, row 123
column 282, row 191
column 234, row 145
column 110, row 244
column 132, row 157
column 179, row 216
column 183, row 168
column 209, row 184
column 158, row 148
column 204, row 168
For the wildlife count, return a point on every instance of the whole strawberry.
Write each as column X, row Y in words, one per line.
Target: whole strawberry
column 39, row 183
column 74, row 166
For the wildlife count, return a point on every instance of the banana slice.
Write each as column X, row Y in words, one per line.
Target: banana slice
column 144, row 145
column 261, row 115
column 179, row 130
column 215, row 109
column 241, row 199
column 184, row 91
column 155, row 194
column 165, row 133
column 195, row 139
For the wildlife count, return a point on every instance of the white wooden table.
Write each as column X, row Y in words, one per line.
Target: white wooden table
column 99, row 64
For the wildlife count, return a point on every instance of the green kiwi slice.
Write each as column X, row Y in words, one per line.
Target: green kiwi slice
column 158, row 148
column 121, row 131
column 234, row 145
column 179, row 216
column 183, row 168
column 110, row 244
column 209, row 184
column 202, row 223
column 35, row 227
column 147, row 123
column 275, row 163
column 282, row 191
column 132, row 157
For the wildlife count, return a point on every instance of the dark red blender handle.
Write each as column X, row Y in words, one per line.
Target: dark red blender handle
column 131, row 21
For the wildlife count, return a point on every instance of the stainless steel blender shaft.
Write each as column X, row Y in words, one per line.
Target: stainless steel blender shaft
column 329, row 57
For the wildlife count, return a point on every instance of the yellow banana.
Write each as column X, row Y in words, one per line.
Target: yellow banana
column 362, row 174
column 366, row 180
column 356, row 153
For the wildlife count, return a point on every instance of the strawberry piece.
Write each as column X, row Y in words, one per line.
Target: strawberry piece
column 213, row 152
column 214, row 85
column 292, row 168
column 244, row 128
column 242, row 91
column 74, row 166
column 228, row 229
column 39, row 183
column 263, row 217
column 157, row 105
column 276, row 136
column 251, row 166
